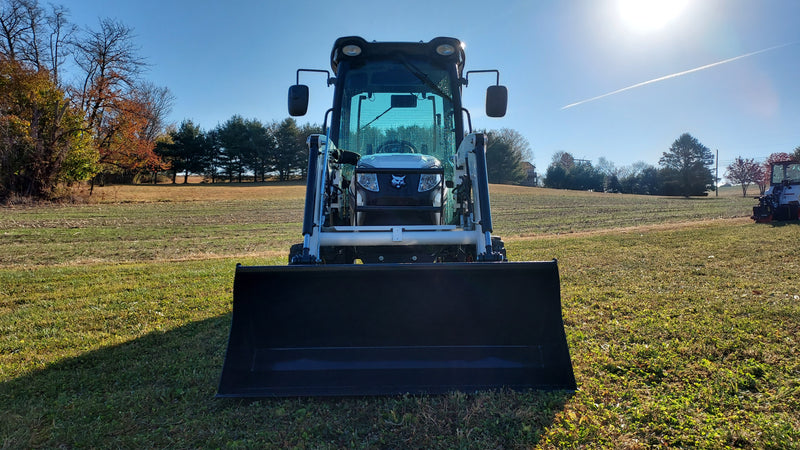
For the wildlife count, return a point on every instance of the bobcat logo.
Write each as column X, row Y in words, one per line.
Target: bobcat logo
column 398, row 182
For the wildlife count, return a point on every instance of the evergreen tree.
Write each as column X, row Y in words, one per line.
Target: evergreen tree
column 505, row 155
column 234, row 148
column 185, row 152
column 565, row 173
column 288, row 155
column 686, row 167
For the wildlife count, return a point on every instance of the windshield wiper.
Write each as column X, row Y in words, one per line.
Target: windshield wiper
column 376, row 118
column 424, row 78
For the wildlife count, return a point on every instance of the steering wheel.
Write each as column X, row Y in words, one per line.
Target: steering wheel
column 397, row 146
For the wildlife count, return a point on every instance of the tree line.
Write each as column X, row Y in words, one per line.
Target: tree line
column 683, row 170
column 103, row 121
column 246, row 149
column 237, row 149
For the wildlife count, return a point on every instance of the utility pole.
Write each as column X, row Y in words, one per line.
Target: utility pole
column 716, row 176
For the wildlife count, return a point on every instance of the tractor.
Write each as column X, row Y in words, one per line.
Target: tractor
column 399, row 285
column 781, row 201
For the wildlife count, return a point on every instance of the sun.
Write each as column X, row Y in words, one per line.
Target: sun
column 649, row 15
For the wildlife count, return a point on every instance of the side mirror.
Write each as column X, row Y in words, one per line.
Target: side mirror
column 496, row 101
column 298, row 100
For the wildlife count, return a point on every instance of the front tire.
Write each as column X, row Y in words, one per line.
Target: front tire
column 295, row 253
column 499, row 247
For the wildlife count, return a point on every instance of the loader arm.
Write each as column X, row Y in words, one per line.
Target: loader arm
column 476, row 212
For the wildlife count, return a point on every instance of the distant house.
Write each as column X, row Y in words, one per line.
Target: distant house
column 532, row 179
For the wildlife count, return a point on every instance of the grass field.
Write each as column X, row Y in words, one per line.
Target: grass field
column 681, row 314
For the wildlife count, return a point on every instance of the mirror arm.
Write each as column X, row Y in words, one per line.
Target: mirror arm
column 331, row 79
column 469, row 118
column 465, row 81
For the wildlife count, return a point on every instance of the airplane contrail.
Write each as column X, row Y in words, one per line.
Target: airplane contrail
column 678, row 74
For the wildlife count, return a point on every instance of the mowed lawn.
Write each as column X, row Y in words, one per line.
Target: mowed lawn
column 682, row 318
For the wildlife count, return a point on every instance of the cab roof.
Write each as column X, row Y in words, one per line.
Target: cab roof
column 374, row 49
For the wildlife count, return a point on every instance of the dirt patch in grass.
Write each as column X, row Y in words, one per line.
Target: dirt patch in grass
column 196, row 192
column 669, row 226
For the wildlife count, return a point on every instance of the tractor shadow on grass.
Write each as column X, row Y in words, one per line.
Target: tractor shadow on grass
column 784, row 223
column 158, row 391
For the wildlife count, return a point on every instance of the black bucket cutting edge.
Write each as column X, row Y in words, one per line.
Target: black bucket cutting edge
column 386, row 329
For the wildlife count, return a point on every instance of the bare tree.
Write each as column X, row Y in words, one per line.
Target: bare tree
column 607, row 167
column 157, row 102
column 34, row 37
column 111, row 66
column 744, row 172
column 13, row 26
column 61, row 33
column 35, row 24
column 563, row 159
column 23, row 24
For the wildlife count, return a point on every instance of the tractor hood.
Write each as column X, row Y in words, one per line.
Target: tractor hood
column 399, row 161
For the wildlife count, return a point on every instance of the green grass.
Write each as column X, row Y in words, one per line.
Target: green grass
column 682, row 318
column 530, row 212
column 682, row 338
column 131, row 232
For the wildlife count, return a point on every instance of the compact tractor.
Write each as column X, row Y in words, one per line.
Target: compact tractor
column 399, row 285
column 781, row 201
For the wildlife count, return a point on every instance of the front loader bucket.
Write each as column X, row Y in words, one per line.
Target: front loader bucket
column 394, row 329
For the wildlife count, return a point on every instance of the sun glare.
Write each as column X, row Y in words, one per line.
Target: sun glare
column 649, row 15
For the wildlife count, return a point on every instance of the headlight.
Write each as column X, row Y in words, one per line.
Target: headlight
column 368, row 181
column 445, row 49
column 351, row 50
column 428, row 181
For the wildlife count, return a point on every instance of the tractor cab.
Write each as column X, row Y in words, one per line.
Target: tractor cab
column 397, row 111
column 785, row 174
column 399, row 114
column 781, row 201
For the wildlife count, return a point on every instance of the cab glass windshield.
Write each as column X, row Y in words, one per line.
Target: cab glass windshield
column 786, row 172
column 398, row 106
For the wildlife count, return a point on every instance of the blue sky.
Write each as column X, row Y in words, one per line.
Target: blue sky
column 240, row 56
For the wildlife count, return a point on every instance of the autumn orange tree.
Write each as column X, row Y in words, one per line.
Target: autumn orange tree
column 43, row 138
column 124, row 143
column 124, row 114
